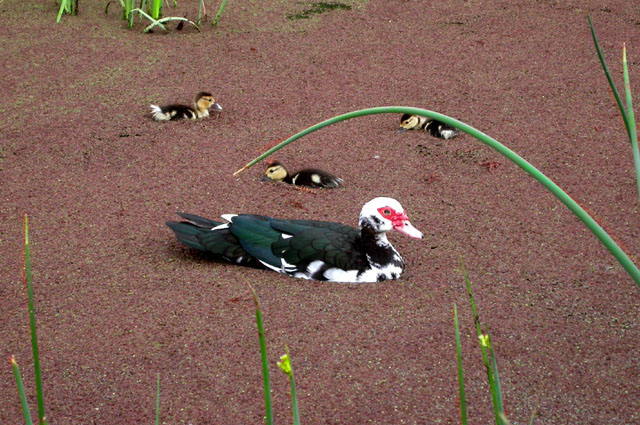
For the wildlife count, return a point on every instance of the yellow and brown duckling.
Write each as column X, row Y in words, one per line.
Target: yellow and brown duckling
column 200, row 109
column 433, row 127
column 309, row 177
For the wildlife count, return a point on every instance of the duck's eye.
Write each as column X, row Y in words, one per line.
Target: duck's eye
column 386, row 212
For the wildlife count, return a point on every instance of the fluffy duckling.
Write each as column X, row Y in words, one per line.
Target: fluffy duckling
column 310, row 177
column 202, row 103
column 433, row 127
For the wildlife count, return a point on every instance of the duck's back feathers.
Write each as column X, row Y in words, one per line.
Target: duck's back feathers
column 173, row 112
column 313, row 177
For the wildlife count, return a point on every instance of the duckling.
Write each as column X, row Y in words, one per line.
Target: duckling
column 308, row 177
column 434, row 127
column 202, row 103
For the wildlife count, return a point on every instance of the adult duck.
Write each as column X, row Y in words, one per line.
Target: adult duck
column 306, row 249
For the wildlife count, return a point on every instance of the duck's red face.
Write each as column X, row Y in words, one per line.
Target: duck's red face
column 400, row 222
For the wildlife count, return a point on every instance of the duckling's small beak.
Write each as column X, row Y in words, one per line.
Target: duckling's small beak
column 401, row 130
column 264, row 178
column 217, row 106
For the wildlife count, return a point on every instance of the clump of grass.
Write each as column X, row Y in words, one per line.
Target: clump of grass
column 151, row 10
column 70, row 7
column 160, row 22
column 627, row 114
column 318, row 8
column 284, row 364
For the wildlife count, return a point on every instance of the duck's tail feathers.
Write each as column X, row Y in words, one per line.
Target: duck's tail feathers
column 190, row 232
column 158, row 114
column 187, row 233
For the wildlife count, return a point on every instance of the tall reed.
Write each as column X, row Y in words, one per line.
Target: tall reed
column 567, row 200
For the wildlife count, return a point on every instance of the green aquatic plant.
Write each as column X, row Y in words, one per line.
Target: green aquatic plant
column 215, row 20
column 284, row 364
column 28, row 279
column 70, row 7
column 627, row 114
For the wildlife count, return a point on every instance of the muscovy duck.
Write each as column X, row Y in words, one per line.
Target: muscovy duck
column 305, row 248
column 433, row 127
column 310, row 177
column 202, row 103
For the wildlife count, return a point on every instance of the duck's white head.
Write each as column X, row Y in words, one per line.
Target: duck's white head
column 385, row 214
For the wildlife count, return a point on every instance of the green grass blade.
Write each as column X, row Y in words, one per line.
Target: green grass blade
column 32, row 323
column 567, row 200
column 463, row 398
column 156, row 9
column 158, row 400
column 265, row 361
column 21, row 393
column 200, row 5
column 633, row 134
column 608, row 75
column 219, row 14
column 497, row 388
column 484, row 344
column 285, row 365
column 63, row 7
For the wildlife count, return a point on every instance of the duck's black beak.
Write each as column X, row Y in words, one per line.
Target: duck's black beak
column 264, row 179
column 401, row 130
column 217, row 106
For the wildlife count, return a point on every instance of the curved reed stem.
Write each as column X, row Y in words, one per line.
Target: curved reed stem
column 575, row 208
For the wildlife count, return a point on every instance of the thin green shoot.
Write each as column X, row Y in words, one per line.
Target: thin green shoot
column 567, row 200
column 463, row 398
column 21, row 393
column 627, row 115
column 219, row 14
column 633, row 134
column 608, row 74
column 285, row 365
column 155, row 8
column 69, row 7
column 263, row 356
column 201, row 10
column 485, row 347
column 158, row 400
column 32, row 322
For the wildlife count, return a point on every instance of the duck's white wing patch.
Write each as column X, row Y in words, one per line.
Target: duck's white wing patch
column 221, row 226
column 316, row 178
column 228, row 217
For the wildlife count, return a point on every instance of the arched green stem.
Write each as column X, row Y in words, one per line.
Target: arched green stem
column 597, row 230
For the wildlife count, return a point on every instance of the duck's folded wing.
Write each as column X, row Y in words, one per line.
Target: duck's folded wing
column 256, row 236
column 304, row 242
